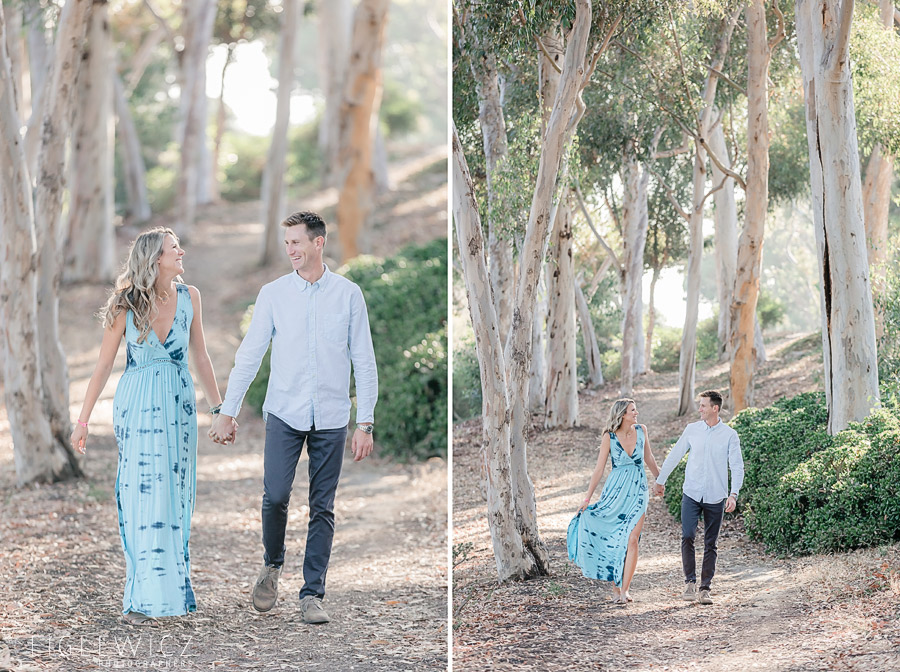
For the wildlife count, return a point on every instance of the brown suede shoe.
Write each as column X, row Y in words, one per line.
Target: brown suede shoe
column 265, row 592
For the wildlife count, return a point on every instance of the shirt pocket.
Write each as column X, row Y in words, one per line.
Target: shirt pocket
column 336, row 328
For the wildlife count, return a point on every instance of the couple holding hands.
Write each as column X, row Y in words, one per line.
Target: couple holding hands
column 317, row 324
column 603, row 537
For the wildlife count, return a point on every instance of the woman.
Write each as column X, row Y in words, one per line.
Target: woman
column 155, row 422
column 603, row 537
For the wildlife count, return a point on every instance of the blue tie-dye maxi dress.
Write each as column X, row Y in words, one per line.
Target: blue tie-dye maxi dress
column 597, row 538
column 155, row 422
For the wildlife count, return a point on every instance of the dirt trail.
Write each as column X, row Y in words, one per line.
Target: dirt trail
column 797, row 615
column 61, row 564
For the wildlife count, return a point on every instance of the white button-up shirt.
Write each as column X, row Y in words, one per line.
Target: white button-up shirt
column 316, row 329
column 712, row 451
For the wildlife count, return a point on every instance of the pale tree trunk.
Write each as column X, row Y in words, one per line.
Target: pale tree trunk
column 14, row 48
column 561, row 397
column 215, row 192
column 848, row 323
column 651, row 320
column 538, row 374
column 90, row 252
column 726, row 239
column 39, row 64
column 877, row 190
column 198, row 25
column 589, row 336
column 142, row 57
column 634, row 238
column 38, row 416
column 687, row 361
column 335, row 31
column 358, row 116
column 512, row 557
column 137, row 210
column 273, row 176
column 37, row 456
column 567, row 109
column 494, row 141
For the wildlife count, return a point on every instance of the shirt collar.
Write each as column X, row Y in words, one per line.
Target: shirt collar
column 303, row 284
column 708, row 426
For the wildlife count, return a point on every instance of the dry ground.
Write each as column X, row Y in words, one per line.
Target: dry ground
column 775, row 614
column 61, row 564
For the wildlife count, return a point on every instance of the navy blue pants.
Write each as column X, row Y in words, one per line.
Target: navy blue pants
column 325, row 449
column 712, row 523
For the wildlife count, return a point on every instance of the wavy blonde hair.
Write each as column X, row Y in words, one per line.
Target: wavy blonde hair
column 135, row 288
column 616, row 413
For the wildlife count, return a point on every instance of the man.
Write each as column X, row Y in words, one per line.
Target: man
column 713, row 446
column 317, row 324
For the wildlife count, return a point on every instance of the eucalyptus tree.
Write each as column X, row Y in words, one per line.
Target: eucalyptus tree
column 848, row 321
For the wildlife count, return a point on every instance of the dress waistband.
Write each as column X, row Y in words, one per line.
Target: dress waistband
column 153, row 362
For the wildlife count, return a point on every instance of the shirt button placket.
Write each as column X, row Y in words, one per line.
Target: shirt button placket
column 312, row 354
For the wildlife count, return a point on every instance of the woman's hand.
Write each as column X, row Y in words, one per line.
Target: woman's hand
column 78, row 438
column 584, row 505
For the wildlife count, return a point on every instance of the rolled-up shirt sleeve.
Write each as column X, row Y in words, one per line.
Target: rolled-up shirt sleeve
column 362, row 355
column 249, row 355
column 673, row 458
column 736, row 463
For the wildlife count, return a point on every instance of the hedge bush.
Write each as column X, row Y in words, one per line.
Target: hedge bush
column 808, row 492
column 406, row 296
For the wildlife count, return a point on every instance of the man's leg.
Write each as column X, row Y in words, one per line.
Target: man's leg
column 325, row 449
column 283, row 447
column 690, row 514
column 712, row 523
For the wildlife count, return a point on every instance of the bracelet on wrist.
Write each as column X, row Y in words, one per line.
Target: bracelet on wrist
column 83, row 424
column 215, row 409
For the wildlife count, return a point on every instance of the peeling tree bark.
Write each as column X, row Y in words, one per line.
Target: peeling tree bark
column 561, row 399
column 41, row 453
column 635, row 225
column 848, row 324
column 359, row 114
column 90, row 252
column 273, row 176
column 513, row 559
column 726, row 239
column 335, row 30
column 135, row 172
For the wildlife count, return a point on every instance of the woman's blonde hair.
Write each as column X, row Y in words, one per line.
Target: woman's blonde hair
column 135, row 288
column 616, row 413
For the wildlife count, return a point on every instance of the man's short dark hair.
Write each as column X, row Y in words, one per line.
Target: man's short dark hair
column 714, row 398
column 315, row 227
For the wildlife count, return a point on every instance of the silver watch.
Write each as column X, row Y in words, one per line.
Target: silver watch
column 368, row 428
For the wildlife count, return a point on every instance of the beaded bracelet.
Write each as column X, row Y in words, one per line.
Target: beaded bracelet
column 83, row 424
column 215, row 409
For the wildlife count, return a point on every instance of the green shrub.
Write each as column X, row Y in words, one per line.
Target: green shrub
column 769, row 310
column 466, row 381
column 707, row 339
column 406, row 296
column 666, row 348
column 808, row 492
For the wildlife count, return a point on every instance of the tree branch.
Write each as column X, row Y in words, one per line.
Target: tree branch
column 681, row 211
column 674, row 151
column 713, row 190
column 547, row 55
column 162, row 22
column 721, row 75
column 779, row 34
column 842, row 41
column 590, row 223
column 715, row 159
column 600, row 50
column 684, row 79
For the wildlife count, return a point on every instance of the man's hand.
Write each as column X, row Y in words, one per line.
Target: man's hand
column 224, row 429
column 730, row 504
column 659, row 489
column 361, row 445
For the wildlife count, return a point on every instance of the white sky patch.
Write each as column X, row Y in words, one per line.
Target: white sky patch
column 250, row 91
column 670, row 297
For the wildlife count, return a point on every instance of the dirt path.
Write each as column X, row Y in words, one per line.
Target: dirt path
column 61, row 564
column 798, row 615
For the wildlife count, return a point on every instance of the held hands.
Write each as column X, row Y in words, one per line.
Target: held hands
column 658, row 489
column 223, row 429
column 78, row 438
column 361, row 445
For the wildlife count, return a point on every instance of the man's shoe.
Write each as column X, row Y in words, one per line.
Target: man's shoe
column 265, row 592
column 690, row 592
column 704, row 596
column 312, row 611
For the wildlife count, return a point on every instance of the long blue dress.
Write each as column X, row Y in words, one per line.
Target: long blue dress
column 155, row 422
column 597, row 538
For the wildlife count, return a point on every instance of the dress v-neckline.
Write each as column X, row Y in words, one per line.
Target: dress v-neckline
column 172, row 325
column 622, row 448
